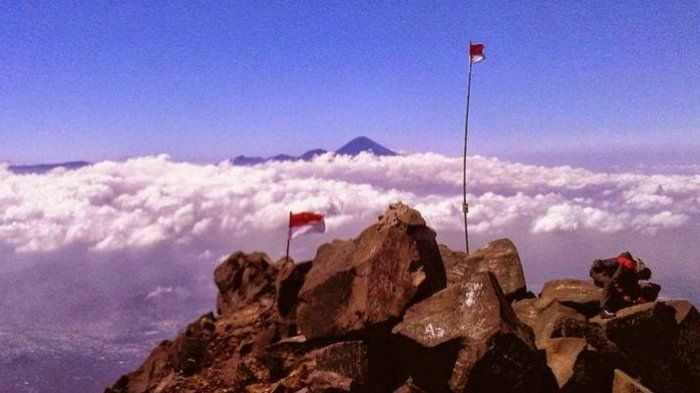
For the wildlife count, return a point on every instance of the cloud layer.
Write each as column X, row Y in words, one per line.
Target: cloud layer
column 153, row 201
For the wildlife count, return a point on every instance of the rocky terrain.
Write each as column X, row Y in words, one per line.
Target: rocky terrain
column 392, row 311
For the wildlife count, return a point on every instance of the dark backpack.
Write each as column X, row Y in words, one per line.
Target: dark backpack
column 643, row 272
column 602, row 271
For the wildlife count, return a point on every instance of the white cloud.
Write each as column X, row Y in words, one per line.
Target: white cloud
column 168, row 291
column 650, row 224
column 153, row 201
column 566, row 217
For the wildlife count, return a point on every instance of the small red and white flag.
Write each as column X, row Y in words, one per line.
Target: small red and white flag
column 305, row 222
column 476, row 53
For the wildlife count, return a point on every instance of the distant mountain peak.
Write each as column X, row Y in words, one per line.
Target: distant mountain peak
column 363, row 144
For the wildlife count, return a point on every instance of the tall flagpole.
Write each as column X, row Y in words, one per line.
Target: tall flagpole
column 289, row 236
column 465, row 206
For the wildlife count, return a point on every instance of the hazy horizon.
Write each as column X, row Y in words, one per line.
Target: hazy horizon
column 638, row 159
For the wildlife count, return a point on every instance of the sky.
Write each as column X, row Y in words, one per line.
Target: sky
column 204, row 82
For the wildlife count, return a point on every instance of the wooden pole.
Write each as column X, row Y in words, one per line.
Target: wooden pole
column 465, row 206
column 289, row 236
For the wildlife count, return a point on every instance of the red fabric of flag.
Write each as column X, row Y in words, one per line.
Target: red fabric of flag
column 476, row 53
column 304, row 218
column 306, row 222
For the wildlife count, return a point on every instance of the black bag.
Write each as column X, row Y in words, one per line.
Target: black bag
column 643, row 272
column 602, row 271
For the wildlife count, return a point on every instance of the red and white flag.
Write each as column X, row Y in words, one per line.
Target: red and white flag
column 306, row 222
column 476, row 53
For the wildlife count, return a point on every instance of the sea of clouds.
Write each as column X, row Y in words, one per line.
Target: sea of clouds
column 158, row 227
column 154, row 201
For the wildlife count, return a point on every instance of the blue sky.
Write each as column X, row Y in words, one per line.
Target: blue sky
column 205, row 82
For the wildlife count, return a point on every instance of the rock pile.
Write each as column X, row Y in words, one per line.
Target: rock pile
column 391, row 311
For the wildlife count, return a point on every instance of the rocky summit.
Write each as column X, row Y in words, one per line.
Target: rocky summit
column 393, row 311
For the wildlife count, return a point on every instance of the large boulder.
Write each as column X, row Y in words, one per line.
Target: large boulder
column 329, row 382
column 646, row 333
column 529, row 310
column 171, row 359
column 189, row 349
column 466, row 337
column 623, row 383
column 686, row 346
column 544, row 315
column 243, row 279
column 553, row 318
column 576, row 366
column 499, row 257
column 357, row 285
column 581, row 295
column 608, row 352
column 367, row 366
column 648, row 328
column 289, row 281
column 347, row 358
column 154, row 369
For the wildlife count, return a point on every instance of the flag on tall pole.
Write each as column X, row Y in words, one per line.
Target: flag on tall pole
column 304, row 222
column 476, row 54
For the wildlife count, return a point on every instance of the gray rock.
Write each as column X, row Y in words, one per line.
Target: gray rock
column 576, row 366
column 329, row 382
column 499, row 257
column 623, row 383
column 189, row 349
column 472, row 326
column 357, row 285
column 646, row 333
column 686, row 345
column 582, row 295
column 288, row 284
column 242, row 279
column 348, row 358
column 529, row 310
column 553, row 318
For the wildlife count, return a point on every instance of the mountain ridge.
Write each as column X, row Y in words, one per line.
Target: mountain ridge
column 360, row 144
column 43, row 168
column 353, row 148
